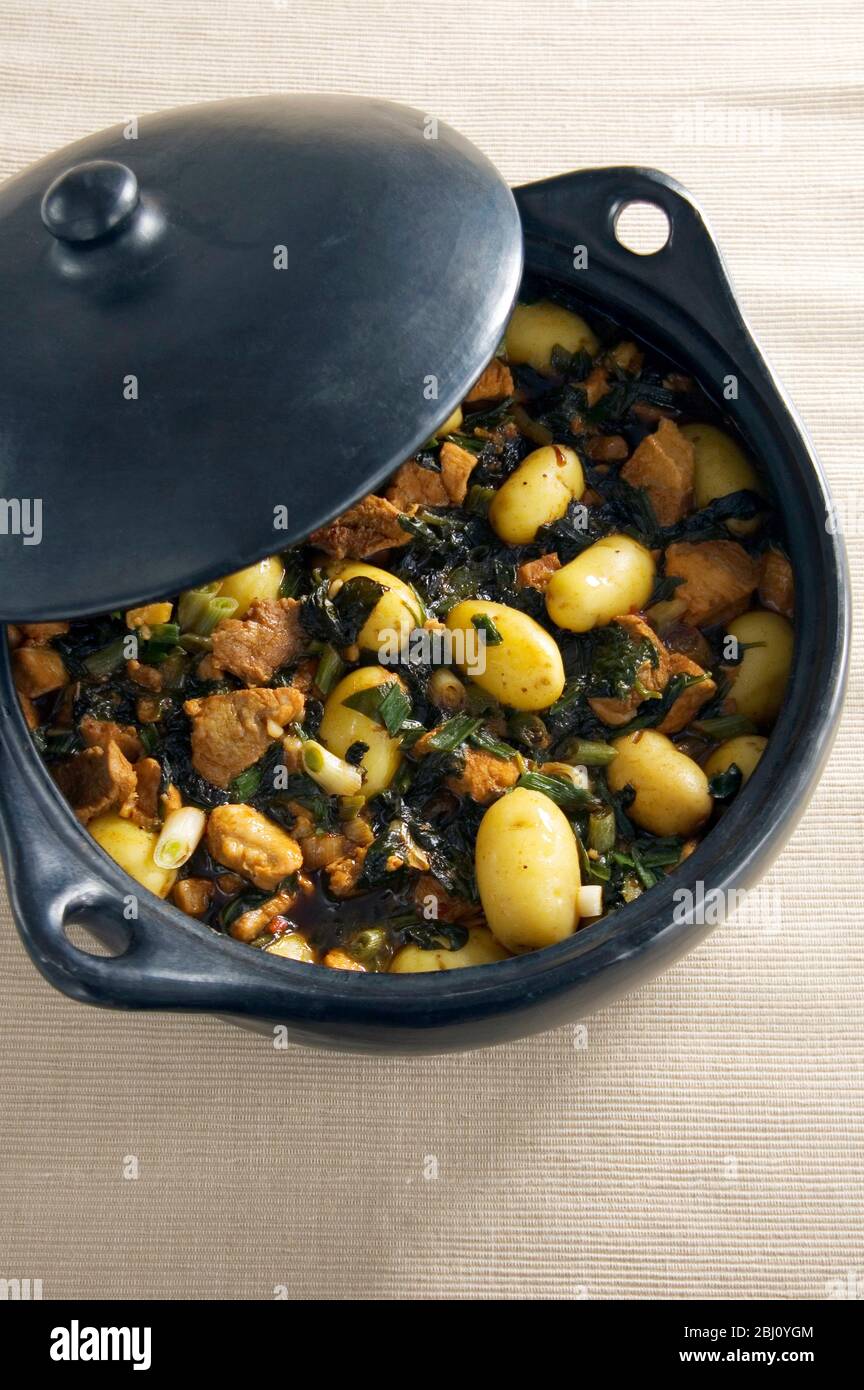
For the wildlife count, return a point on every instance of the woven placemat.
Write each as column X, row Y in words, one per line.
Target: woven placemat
column 702, row 1138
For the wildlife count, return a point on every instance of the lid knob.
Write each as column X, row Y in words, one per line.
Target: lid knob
column 90, row 200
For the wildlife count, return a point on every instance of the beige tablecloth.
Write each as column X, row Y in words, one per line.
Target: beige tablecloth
column 703, row 1138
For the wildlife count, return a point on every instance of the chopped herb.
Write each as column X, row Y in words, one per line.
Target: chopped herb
column 592, row 870
column 724, row 785
column 161, row 643
column 329, row 669
column 487, row 742
column 566, row 795
column 436, row 936
column 601, row 830
column 385, row 704
column 107, row 659
column 452, row 733
column 725, row 726
column 484, row 624
column 478, row 499
column 583, row 752
column 616, row 659
column 244, row 786
column 337, row 621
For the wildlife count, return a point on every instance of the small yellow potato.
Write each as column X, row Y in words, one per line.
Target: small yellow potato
column 396, row 612
column 151, row 615
column 535, row 329
column 672, row 795
column 744, row 751
column 293, row 946
column 527, row 865
column 342, row 726
column 537, row 492
column 613, row 576
column 525, row 669
column 759, row 683
column 451, row 424
column 132, row 848
column 261, row 580
column 721, row 467
column 481, row 948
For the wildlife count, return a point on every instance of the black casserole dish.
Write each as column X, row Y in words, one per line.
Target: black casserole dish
column 677, row 300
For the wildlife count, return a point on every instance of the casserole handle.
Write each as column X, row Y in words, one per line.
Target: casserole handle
column 683, row 289
column 59, row 878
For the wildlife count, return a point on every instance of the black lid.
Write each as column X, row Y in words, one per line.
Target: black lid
column 242, row 306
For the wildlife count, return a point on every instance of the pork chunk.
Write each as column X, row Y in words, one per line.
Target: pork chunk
column 416, row 486
column 691, row 700
column 37, row 634
column 252, row 923
column 689, row 641
column 30, row 712
column 371, row 526
column 662, row 465
column 483, row 777
column 344, row 874
column 448, row 907
column 230, row 732
column 457, row 465
column 719, row 578
column 324, row 848
column 495, row 383
column 250, row 844
column 535, row 574
column 37, row 670
column 100, row 732
column 596, row 385
column 148, row 677
column 148, row 780
column 340, row 960
column 253, row 648
column 97, row 780
column 192, row 895
column 776, row 583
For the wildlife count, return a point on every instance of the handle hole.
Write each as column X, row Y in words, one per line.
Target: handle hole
column 642, row 228
column 110, row 941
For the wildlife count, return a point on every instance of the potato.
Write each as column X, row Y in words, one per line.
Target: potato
column 613, row 576
column 721, row 467
column 672, row 795
column 535, row 329
column 397, row 611
column 525, row 669
column 132, row 848
column 527, row 866
column 261, row 580
column 759, row 683
column 150, row 615
column 293, row 946
column 451, row 424
column 744, row 751
column 481, row 948
column 539, row 491
column 341, row 726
